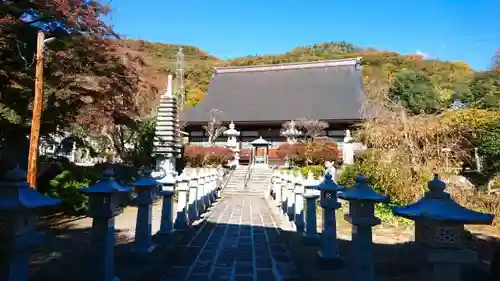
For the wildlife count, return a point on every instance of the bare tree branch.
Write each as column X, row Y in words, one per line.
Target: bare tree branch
column 311, row 128
column 214, row 128
column 26, row 64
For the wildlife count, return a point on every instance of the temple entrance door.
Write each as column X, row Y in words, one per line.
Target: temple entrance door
column 260, row 155
column 260, row 152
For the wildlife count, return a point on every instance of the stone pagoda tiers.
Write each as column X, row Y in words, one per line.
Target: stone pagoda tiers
column 167, row 145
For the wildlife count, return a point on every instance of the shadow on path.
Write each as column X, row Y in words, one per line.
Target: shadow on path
column 240, row 240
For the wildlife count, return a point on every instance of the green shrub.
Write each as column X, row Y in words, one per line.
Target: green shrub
column 347, row 174
column 65, row 187
column 317, row 170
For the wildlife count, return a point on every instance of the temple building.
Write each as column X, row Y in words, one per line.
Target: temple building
column 259, row 99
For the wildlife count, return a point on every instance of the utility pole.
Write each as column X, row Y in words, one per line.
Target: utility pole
column 37, row 112
column 179, row 77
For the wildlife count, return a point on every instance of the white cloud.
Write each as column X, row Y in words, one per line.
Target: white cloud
column 423, row 54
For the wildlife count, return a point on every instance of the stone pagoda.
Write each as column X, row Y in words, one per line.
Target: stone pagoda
column 167, row 146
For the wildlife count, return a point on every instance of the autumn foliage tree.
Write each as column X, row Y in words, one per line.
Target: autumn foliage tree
column 86, row 81
column 310, row 152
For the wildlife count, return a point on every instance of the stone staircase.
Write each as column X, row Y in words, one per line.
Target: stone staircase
column 258, row 182
column 237, row 180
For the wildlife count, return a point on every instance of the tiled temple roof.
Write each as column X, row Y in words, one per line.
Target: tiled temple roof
column 326, row 90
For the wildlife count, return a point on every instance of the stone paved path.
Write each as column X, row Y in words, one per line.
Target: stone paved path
column 239, row 242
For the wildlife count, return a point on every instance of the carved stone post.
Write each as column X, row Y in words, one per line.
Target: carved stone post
column 182, row 190
column 219, row 183
column 271, row 191
column 290, row 198
column 362, row 199
column 206, row 186
column 329, row 253
column 193, row 213
column 199, row 192
column 18, row 232
column 284, row 190
column 277, row 188
column 213, row 186
column 299, row 203
column 210, row 188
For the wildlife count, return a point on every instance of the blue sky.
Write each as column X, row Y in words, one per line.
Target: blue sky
column 458, row 30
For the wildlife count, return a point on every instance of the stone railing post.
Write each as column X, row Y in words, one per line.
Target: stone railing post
column 311, row 233
column 104, row 206
column 271, row 191
column 182, row 190
column 439, row 231
column 290, row 198
column 199, row 192
column 18, row 203
column 329, row 253
column 145, row 187
column 167, row 215
column 213, row 185
column 362, row 199
column 284, row 192
column 299, row 203
column 210, row 186
column 219, row 180
column 192, row 200
column 206, row 187
column 277, row 188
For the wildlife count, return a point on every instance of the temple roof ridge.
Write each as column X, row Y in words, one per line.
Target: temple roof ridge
column 289, row 66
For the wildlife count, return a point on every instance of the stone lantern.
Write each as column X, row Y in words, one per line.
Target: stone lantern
column 146, row 187
column 310, row 234
column 439, row 231
column 329, row 253
column 232, row 143
column 18, row 232
column 104, row 206
column 291, row 133
column 362, row 199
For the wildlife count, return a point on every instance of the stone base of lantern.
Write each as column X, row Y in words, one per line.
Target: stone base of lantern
column 140, row 255
column 441, row 264
column 328, row 262
column 309, row 239
column 164, row 238
column 142, row 250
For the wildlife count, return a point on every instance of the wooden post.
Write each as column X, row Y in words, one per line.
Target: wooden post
column 37, row 112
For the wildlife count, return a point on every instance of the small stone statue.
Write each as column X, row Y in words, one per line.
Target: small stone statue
column 330, row 168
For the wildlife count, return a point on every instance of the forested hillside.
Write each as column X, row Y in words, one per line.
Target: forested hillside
column 432, row 115
column 379, row 65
